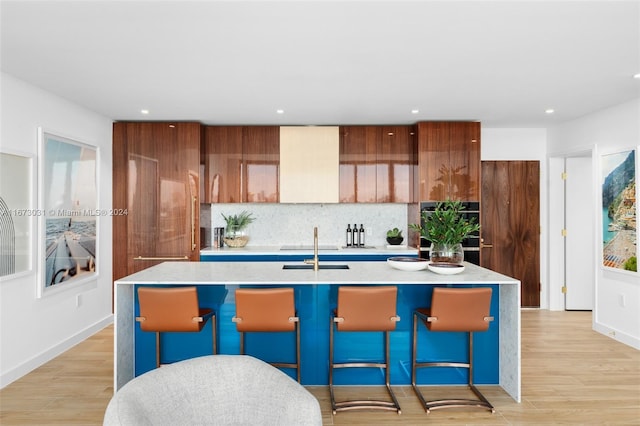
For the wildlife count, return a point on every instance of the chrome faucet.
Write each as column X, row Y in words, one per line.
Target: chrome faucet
column 314, row 261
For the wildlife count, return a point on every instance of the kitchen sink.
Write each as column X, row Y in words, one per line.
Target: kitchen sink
column 321, row 266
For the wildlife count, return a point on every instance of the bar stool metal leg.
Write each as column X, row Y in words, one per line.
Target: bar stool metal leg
column 351, row 323
column 481, row 402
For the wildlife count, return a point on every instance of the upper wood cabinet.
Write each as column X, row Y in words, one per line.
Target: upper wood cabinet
column 358, row 148
column 377, row 164
column 241, row 164
column 309, row 157
column 156, row 180
column 449, row 160
column 397, row 160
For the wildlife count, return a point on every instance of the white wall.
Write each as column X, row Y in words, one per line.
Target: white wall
column 608, row 130
column 33, row 330
column 504, row 144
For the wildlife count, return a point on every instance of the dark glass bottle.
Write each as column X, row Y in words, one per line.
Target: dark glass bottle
column 361, row 236
column 355, row 236
column 349, row 236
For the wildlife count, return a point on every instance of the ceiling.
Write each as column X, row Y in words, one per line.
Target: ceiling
column 328, row 62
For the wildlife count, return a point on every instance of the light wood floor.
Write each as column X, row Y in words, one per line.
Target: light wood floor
column 570, row 375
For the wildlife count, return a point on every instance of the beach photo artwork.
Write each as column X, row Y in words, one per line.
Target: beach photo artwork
column 69, row 205
column 619, row 224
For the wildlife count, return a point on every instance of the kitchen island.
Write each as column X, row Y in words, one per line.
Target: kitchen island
column 497, row 350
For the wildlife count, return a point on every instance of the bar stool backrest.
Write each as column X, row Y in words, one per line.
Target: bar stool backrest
column 371, row 308
column 270, row 309
column 169, row 309
column 459, row 309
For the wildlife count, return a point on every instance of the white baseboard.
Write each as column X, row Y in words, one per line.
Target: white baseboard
column 23, row 369
column 618, row 335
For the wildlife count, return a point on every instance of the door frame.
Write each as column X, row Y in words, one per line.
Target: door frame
column 557, row 200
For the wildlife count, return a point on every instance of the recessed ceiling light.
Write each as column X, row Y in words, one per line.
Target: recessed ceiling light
column 549, row 111
column 637, row 76
column 144, row 111
column 415, row 111
column 280, row 111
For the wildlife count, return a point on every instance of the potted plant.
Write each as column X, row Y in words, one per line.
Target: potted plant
column 446, row 228
column 394, row 236
column 234, row 234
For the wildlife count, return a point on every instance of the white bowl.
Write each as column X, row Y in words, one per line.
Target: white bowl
column 408, row 263
column 445, row 268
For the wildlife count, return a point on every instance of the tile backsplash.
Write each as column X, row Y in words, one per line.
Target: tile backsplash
column 292, row 224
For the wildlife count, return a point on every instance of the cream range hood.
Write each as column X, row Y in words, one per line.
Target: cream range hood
column 309, row 164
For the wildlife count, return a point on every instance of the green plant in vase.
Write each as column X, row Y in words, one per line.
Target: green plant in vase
column 446, row 228
column 234, row 233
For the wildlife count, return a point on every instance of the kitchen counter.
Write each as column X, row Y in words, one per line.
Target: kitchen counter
column 315, row 293
column 307, row 250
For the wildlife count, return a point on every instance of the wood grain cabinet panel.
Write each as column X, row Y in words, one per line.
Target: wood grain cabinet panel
column 449, row 161
column 260, row 164
column 221, row 154
column 395, row 164
column 241, row 164
column 156, row 180
column 377, row 164
column 358, row 163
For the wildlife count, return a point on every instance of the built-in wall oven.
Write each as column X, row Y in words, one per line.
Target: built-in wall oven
column 470, row 245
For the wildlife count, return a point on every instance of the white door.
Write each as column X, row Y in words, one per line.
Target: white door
column 579, row 242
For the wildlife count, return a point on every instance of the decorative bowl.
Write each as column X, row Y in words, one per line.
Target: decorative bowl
column 408, row 263
column 445, row 268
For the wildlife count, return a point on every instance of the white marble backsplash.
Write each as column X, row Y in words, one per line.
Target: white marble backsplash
column 292, row 224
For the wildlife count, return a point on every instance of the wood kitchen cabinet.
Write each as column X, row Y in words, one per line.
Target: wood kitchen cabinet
column 377, row 164
column 449, row 160
column 241, row 164
column 156, row 181
column 358, row 147
column 396, row 164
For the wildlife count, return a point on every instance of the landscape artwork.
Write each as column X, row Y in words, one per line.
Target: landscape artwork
column 69, row 206
column 619, row 225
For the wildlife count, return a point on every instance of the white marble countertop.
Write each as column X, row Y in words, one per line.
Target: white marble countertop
column 235, row 273
column 401, row 250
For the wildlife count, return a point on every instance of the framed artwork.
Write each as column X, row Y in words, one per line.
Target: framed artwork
column 68, row 199
column 619, row 210
column 17, row 214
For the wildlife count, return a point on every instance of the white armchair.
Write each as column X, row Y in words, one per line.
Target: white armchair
column 214, row 390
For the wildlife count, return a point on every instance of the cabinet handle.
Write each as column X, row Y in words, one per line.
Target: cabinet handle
column 161, row 258
column 487, row 246
column 193, row 223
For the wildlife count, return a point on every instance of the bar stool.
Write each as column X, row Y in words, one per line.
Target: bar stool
column 371, row 308
column 173, row 309
column 453, row 309
column 267, row 310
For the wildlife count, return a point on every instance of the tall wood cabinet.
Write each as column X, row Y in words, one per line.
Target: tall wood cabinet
column 241, row 164
column 377, row 164
column 156, row 180
column 449, row 160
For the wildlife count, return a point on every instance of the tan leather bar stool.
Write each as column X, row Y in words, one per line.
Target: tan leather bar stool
column 172, row 309
column 267, row 310
column 453, row 309
column 371, row 308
